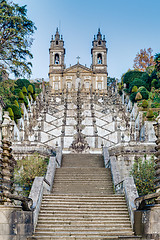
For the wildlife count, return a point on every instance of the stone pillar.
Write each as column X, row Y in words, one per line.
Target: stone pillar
column 7, row 161
column 157, row 154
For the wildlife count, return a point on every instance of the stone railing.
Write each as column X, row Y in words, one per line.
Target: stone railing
column 126, row 185
column 44, row 184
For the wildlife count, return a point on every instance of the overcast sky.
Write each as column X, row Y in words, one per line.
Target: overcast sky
column 128, row 26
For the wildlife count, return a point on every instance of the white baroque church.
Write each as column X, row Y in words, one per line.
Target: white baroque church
column 61, row 77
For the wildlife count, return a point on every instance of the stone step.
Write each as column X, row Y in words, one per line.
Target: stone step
column 82, row 209
column 79, row 230
column 82, row 169
column 87, row 233
column 84, row 216
column 90, row 205
column 83, row 198
column 84, row 238
column 82, row 188
column 97, row 228
column 72, row 220
column 98, row 224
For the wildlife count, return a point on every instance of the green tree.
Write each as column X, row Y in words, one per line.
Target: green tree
column 136, row 82
column 129, row 76
column 11, row 114
column 157, row 66
column 143, row 173
column 24, row 90
column 144, row 104
column 30, row 89
column 16, row 32
column 144, row 92
column 111, row 81
column 28, row 168
column 20, row 97
column 134, row 89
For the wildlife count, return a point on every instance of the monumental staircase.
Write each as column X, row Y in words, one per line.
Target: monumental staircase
column 83, row 204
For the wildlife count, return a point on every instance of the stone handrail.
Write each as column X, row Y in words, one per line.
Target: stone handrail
column 140, row 202
column 44, row 184
column 126, row 186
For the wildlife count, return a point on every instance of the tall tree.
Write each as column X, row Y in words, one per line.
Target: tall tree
column 143, row 59
column 16, row 32
column 157, row 62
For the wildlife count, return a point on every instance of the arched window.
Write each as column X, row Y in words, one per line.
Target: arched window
column 56, row 61
column 99, row 58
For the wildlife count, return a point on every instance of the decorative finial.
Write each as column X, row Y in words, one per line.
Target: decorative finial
column 78, row 59
column 61, row 37
column 52, row 38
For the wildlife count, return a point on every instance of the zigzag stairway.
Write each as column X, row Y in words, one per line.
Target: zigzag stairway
column 82, row 204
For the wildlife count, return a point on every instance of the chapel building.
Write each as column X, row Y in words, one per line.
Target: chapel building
column 78, row 75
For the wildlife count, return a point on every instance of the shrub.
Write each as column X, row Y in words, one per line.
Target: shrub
column 26, row 101
column 16, row 111
column 27, row 169
column 130, row 76
column 136, row 82
column 150, row 114
column 134, row 89
column 132, row 97
column 22, row 82
column 30, row 89
column 21, row 97
column 24, row 90
column 16, row 103
column 144, row 93
column 155, row 83
column 29, row 97
column 147, row 79
column 22, row 113
column 144, row 104
column 34, row 97
column 155, row 105
column 138, row 96
column 11, row 114
column 143, row 173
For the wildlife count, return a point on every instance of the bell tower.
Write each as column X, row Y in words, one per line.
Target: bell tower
column 99, row 54
column 99, row 62
column 57, row 53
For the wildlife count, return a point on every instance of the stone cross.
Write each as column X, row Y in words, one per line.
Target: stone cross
column 78, row 59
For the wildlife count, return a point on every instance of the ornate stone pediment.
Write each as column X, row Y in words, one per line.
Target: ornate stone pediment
column 78, row 67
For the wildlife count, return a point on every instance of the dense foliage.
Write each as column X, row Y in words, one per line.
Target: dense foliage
column 14, row 93
column 143, row 173
column 146, row 83
column 16, row 32
column 27, row 169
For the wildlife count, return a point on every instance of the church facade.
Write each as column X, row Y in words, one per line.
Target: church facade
column 78, row 75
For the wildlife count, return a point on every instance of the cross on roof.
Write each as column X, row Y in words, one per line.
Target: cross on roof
column 78, row 59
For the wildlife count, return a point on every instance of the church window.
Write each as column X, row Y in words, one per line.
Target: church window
column 56, row 86
column 99, row 58
column 99, row 42
column 99, row 86
column 56, row 42
column 56, row 61
column 87, row 84
column 68, row 85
